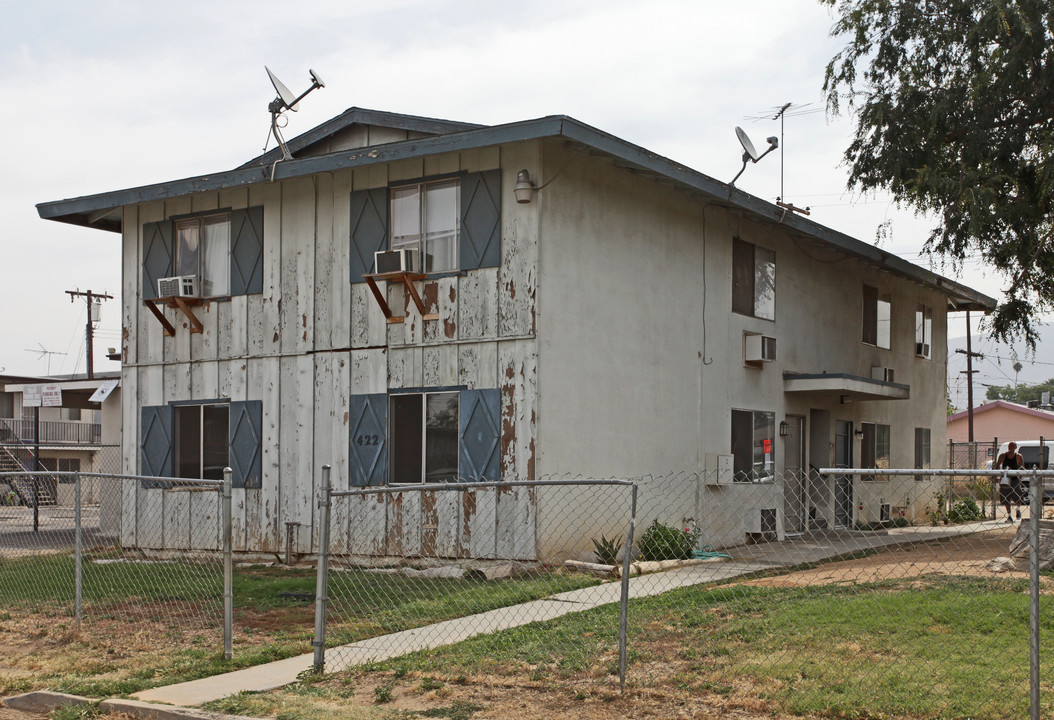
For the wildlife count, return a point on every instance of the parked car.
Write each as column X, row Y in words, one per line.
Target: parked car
column 1034, row 457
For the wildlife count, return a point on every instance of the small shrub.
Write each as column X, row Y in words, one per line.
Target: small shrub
column 606, row 551
column 965, row 510
column 382, row 694
column 76, row 711
column 663, row 542
column 429, row 683
column 938, row 515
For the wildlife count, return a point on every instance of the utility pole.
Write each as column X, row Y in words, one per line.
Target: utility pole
column 88, row 332
column 970, row 355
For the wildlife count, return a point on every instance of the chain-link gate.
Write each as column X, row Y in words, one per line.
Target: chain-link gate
column 412, row 568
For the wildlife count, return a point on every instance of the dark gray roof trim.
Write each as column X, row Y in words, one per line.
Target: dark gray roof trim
column 80, row 210
column 362, row 116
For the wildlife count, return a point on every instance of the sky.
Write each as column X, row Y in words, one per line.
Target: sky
column 107, row 95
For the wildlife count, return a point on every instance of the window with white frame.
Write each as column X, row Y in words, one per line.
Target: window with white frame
column 425, row 217
column 923, row 330
column 877, row 317
column 423, row 439
column 874, row 449
column 203, row 249
column 753, row 438
column 753, row 280
column 922, row 450
column 201, row 440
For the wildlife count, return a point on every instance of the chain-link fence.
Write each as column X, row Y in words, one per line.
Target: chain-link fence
column 115, row 550
column 975, row 455
column 981, row 489
column 881, row 592
column 819, row 592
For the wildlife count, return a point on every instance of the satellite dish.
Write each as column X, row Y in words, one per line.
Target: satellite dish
column 288, row 99
column 750, row 154
column 748, row 147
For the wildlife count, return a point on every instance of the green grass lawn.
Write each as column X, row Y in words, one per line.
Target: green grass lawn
column 356, row 595
column 172, row 614
column 935, row 647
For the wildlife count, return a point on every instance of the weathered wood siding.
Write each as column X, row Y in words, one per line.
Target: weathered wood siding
column 311, row 339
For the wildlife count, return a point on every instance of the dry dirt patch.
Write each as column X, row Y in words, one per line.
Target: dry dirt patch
column 968, row 555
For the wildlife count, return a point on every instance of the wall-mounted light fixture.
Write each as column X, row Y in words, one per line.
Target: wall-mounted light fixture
column 784, row 428
column 859, row 433
column 524, row 187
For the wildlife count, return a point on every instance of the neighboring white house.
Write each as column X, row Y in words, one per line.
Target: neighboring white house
column 631, row 316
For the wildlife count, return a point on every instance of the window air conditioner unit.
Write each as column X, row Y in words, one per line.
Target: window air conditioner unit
column 882, row 374
column 178, row 286
column 393, row 261
column 922, row 349
column 759, row 348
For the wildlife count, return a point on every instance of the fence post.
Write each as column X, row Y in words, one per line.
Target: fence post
column 1035, row 493
column 228, row 568
column 78, row 553
column 322, row 580
column 623, row 620
column 995, row 488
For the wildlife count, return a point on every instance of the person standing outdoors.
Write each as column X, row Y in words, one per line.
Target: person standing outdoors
column 1010, row 487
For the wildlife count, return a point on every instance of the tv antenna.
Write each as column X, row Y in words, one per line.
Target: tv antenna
column 781, row 112
column 286, row 100
column 750, row 154
column 43, row 352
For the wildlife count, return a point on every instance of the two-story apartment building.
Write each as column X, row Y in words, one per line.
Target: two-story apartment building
column 78, row 432
column 578, row 306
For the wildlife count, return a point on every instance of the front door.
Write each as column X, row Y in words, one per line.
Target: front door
column 794, row 476
column 843, row 484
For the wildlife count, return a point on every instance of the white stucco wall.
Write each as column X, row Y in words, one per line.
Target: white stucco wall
column 641, row 360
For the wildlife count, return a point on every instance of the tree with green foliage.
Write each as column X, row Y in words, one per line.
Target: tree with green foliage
column 954, row 104
column 1021, row 393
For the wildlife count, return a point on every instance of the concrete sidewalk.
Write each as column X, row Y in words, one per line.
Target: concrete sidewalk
column 748, row 559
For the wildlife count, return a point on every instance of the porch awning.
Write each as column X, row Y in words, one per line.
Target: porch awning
column 845, row 386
